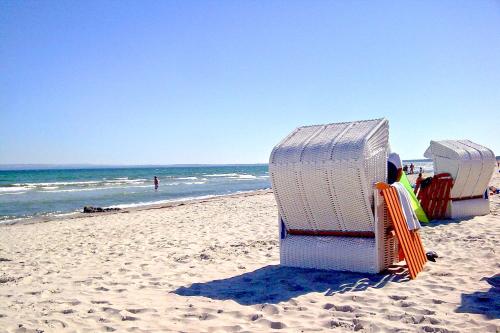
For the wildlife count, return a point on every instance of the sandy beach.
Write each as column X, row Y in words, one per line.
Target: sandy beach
column 213, row 266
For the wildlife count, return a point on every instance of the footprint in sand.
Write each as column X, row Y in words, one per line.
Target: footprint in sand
column 100, row 302
column 398, row 297
column 270, row 309
column 138, row 311
column 254, row 317
column 328, row 306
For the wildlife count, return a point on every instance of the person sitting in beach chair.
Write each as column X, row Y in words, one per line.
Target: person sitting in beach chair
column 471, row 167
column 330, row 215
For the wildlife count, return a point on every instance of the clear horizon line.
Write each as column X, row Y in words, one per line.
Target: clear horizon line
column 155, row 164
column 35, row 166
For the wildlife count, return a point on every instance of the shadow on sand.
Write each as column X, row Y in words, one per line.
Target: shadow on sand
column 436, row 223
column 274, row 284
column 483, row 302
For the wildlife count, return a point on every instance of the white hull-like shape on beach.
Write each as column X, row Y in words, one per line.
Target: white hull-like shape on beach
column 471, row 167
column 322, row 178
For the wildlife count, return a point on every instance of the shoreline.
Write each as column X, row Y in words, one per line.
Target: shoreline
column 148, row 206
column 169, row 204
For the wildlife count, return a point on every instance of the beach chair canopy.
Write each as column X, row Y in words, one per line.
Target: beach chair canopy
column 469, row 164
column 323, row 175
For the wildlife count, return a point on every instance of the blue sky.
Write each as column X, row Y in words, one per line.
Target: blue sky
column 160, row 82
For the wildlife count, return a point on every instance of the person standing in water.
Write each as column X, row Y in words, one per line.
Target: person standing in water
column 156, row 182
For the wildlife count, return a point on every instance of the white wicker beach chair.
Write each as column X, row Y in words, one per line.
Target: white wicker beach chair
column 471, row 167
column 322, row 178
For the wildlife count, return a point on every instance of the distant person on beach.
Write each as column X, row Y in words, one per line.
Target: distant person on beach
column 421, row 170
column 412, row 167
column 156, row 182
column 405, row 169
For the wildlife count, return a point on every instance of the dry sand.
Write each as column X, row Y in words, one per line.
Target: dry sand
column 212, row 266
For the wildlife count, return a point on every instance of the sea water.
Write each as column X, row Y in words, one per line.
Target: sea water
column 40, row 193
column 43, row 193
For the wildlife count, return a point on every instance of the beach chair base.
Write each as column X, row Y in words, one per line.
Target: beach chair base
column 468, row 208
column 354, row 254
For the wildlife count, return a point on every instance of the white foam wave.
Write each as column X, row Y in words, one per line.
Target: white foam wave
column 13, row 189
column 194, row 183
column 13, row 193
column 126, row 181
column 50, row 187
column 57, row 183
column 187, row 178
column 223, row 175
column 244, row 177
column 78, row 189
column 122, row 180
column 96, row 188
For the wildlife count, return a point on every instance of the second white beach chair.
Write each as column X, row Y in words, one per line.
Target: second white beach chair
column 471, row 167
column 323, row 177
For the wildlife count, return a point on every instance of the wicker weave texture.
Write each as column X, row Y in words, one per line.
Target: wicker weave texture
column 331, row 253
column 468, row 208
column 370, row 255
column 322, row 176
column 470, row 164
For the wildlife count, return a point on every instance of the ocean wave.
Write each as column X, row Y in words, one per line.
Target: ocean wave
column 244, row 177
column 223, row 175
column 78, row 189
column 13, row 193
column 13, row 189
column 122, row 180
column 126, row 181
column 12, row 219
column 95, row 188
column 187, row 178
column 194, row 183
column 57, row 183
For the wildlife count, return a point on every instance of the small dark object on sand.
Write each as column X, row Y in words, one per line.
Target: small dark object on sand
column 431, row 256
column 90, row 209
